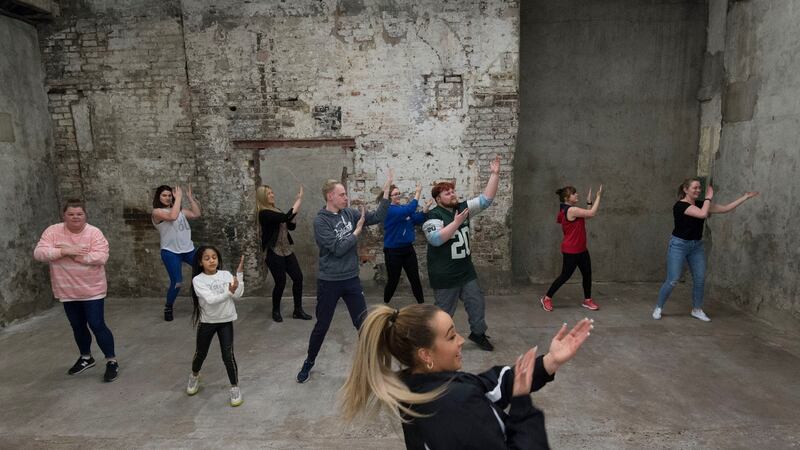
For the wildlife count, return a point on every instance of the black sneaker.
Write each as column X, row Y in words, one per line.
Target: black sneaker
column 112, row 371
column 482, row 340
column 168, row 313
column 276, row 316
column 304, row 373
column 81, row 365
column 300, row 314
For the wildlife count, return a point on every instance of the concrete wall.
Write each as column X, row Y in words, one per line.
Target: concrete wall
column 145, row 92
column 28, row 198
column 755, row 257
column 607, row 95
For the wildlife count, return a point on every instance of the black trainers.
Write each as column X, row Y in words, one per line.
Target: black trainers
column 81, row 365
column 276, row 316
column 300, row 314
column 112, row 371
column 304, row 373
column 168, row 313
column 482, row 340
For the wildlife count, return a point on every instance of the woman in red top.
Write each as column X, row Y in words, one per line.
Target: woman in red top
column 573, row 247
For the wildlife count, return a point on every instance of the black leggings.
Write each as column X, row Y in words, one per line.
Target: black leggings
column 398, row 259
column 205, row 333
column 571, row 261
column 279, row 266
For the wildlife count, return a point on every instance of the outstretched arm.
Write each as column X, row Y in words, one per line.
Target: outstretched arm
column 722, row 209
column 494, row 179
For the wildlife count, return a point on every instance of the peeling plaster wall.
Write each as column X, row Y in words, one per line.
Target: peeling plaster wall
column 28, row 199
column 608, row 95
column 146, row 92
column 754, row 262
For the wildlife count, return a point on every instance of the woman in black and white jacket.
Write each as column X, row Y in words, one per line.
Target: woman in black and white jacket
column 441, row 407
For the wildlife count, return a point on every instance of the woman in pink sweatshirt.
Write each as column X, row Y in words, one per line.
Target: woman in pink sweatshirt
column 77, row 253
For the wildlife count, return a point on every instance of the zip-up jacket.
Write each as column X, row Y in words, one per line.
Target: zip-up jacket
column 471, row 413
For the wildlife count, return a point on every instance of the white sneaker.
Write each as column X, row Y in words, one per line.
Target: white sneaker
column 194, row 384
column 657, row 313
column 236, row 396
column 699, row 314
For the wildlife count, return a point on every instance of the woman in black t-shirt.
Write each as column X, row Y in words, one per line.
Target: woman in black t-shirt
column 686, row 244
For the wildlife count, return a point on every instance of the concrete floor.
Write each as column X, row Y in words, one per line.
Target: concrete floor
column 637, row 383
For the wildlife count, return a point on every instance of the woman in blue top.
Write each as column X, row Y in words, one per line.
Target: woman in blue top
column 398, row 242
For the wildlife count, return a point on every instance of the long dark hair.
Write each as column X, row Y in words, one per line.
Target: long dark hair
column 197, row 269
column 157, row 198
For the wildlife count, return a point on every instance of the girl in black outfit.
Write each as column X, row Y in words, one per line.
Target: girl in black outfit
column 440, row 407
column 276, row 240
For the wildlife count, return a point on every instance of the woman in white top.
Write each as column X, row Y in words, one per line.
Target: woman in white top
column 213, row 292
column 172, row 223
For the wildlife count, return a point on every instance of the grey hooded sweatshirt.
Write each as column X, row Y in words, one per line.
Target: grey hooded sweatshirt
column 338, row 247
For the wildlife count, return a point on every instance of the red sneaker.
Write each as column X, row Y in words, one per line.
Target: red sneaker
column 547, row 303
column 590, row 304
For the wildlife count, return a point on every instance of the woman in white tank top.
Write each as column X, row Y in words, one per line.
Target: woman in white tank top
column 177, row 247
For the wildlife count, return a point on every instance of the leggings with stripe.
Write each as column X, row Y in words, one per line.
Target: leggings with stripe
column 205, row 333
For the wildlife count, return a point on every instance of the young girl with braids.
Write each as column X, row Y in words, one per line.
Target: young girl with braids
column 440, row 406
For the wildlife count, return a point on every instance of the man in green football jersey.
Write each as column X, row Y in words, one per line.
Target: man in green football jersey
column 450, row 268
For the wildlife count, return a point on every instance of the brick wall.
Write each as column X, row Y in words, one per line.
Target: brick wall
column 159, row 92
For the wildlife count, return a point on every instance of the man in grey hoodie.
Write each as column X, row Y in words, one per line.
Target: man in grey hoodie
column 336, row 230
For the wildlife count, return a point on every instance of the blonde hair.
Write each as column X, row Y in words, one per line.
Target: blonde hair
column 262, row 201
column 328, row 186
column 372, row 383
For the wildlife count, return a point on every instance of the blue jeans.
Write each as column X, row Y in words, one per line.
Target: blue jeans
column 680, row 251
column 90, row 312
column 328, row 295
column 172, row 261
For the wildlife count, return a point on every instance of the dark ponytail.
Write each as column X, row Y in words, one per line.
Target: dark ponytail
column 564, row 193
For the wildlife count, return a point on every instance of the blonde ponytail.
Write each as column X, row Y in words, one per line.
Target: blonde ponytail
column 372, row 383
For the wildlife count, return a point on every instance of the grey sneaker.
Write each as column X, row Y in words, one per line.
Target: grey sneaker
column 194, row 384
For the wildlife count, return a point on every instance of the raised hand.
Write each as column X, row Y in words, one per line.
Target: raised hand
column 461, row 217
column 177, row 193
column 389, row 180
column 709, row 192
column 589, row 195
column 240, row 269
column 600, row 191
column 234, row 284
column 565, row 344
column 750, row 195
column 418, row 191
column 494, row 166
column 428, row 203
column 300, row 193
column 189, row 191
column 523, row 373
